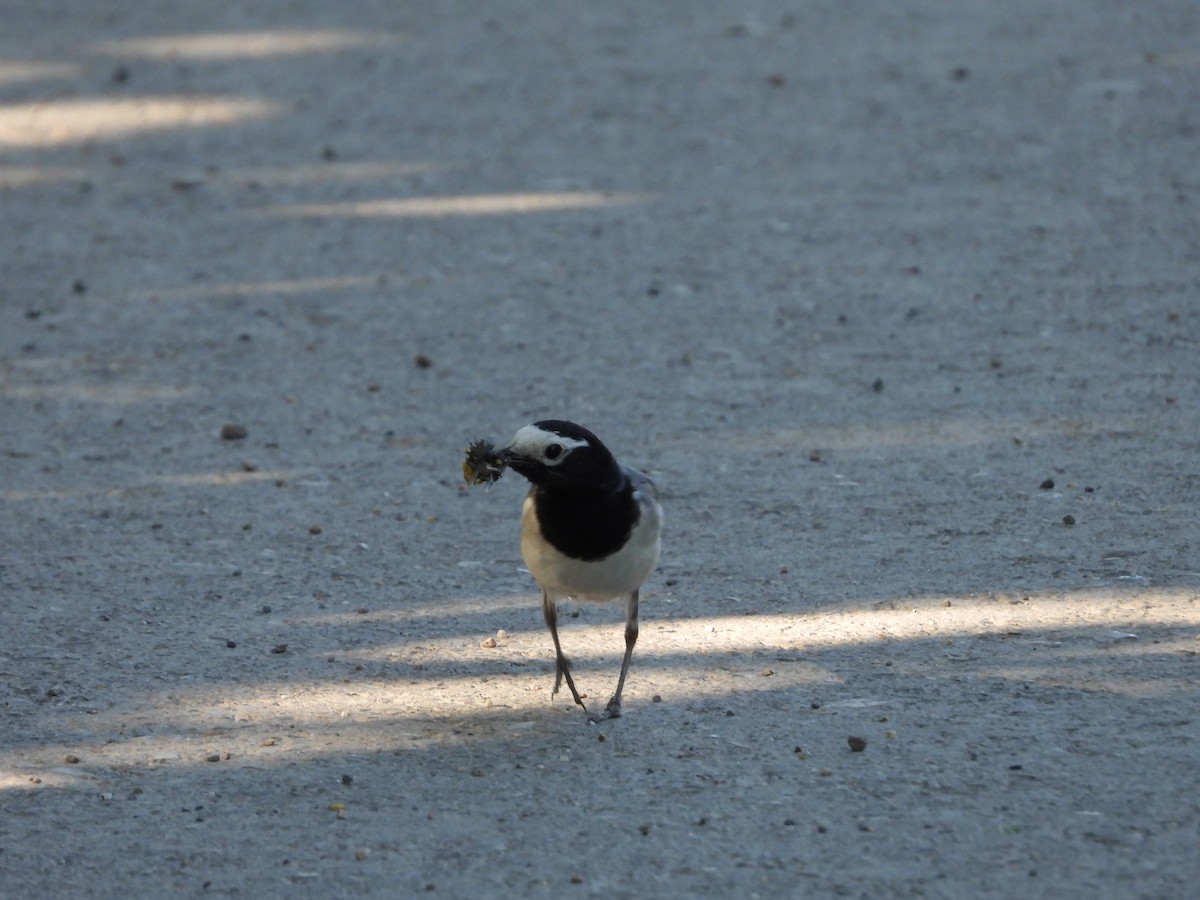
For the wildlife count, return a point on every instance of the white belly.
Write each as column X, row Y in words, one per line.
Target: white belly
column 604, row 579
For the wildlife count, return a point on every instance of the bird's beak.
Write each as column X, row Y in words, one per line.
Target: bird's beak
column 509, row 457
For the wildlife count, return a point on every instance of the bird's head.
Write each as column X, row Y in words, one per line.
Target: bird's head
column 556, row 453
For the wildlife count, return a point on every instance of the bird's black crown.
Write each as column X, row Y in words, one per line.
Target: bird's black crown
column 579, row 462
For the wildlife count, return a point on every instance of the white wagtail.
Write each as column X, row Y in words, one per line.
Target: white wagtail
column 589, row 530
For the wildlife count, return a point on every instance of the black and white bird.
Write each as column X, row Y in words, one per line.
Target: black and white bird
column 589, row 530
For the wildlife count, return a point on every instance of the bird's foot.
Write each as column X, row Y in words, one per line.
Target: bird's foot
column 563, row 673
column 611, row 711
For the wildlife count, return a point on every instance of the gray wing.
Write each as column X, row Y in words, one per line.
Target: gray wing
column 646, row 494
column 641, row 482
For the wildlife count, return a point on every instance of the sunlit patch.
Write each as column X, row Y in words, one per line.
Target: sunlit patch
column 14, row 72
column 1179, row 59
column 72, row 121
column 243, row 44
column 468, row 205
column 441, row 609
column 1120, row 684
column 437, row 684
column 923, row 618
column 320, row 173
column 60, row 776
column 224, row 478
column 939, row 432
column 282, row 287
column 117, row 394
column 28, row 176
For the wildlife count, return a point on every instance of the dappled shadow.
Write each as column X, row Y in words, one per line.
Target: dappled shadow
column 337, row 695
column 39, row 125
column 901, row 507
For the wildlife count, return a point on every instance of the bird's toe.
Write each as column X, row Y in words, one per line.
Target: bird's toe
column 611, row 711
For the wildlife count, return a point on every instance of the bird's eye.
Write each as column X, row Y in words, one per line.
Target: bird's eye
column 554, row 451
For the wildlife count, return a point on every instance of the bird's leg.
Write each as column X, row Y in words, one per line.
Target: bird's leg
column 613, row 709
column 561, row 666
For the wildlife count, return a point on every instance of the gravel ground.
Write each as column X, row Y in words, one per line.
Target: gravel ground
column 898, row 302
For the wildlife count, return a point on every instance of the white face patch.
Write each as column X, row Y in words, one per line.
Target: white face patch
column 532, row 442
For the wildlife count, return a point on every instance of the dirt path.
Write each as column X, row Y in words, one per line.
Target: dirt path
column 898, row 305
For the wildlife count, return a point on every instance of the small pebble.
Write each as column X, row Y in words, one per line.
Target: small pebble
column 71, row 758
column 233, row 432
column 423, row 361
column 1047, row 485
column 362, row 853
column 488, row 643
column 213, row 757
column 314, row 529
column 1068, row 519
column 857, row 744
column 279, row 648
column 347, row 779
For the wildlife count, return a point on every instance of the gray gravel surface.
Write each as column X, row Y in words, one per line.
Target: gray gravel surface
column 898, row 302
